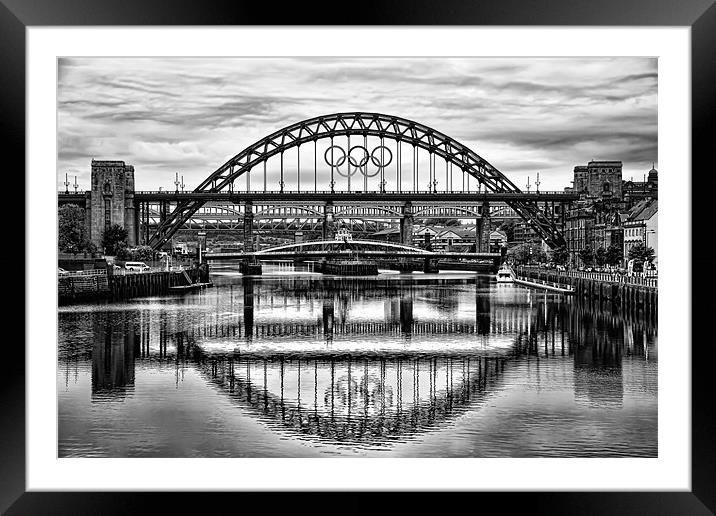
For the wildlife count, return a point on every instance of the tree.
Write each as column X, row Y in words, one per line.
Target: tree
column 600, row 256
column 615, row 255
column 538, row 254
column 560, row 255
column 586, row 255
column 142, row 253
column 640, row 252
column 509, row 229
column 527, row 253
column 519, row 253
column 122, row 252
column 71, row 236
column 114, row 238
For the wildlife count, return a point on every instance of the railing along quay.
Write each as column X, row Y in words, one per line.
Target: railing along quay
column 631, row 293
column 606, row 277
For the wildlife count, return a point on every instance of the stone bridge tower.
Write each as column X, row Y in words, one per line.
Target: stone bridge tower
column 112, row 200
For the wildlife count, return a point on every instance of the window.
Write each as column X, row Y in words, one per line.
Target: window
column 107, row 213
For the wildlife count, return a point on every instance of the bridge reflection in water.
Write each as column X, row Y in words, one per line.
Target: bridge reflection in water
column 364, row 363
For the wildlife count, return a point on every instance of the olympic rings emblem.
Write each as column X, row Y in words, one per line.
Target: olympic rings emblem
column 358, row 158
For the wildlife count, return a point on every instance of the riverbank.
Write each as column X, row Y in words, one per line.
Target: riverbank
column 629, row 293
column 95, row 285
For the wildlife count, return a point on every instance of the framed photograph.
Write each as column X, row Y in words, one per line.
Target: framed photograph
column 423, row 252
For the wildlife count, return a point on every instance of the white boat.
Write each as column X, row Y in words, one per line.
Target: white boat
column 505, row 274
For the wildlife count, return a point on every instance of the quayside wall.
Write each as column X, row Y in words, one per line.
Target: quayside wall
column 97, row 284
column 630, row 293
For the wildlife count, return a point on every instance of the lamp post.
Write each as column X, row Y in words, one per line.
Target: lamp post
column 201, row 235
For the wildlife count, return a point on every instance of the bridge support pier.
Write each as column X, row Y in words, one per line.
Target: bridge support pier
column 250, row 269
column 430, row 265
column 485, row 228
column 406, row 224
column 328, row 230
column 135, row 230
column 248, row 227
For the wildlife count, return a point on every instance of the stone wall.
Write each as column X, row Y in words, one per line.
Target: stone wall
column 112, row 200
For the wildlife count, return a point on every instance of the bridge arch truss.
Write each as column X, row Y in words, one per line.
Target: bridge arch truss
column 362, row 125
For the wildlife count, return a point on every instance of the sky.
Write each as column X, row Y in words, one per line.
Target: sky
column 190, row 115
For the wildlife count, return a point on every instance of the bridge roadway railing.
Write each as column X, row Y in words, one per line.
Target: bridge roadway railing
column 274, row 194
column 337, row 192
column 430, row 328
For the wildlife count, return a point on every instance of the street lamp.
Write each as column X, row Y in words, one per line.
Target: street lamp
column 201, row 236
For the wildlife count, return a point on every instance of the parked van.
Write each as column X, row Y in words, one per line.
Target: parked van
column 136, row 266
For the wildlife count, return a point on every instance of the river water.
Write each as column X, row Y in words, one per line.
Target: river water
column 303, row 365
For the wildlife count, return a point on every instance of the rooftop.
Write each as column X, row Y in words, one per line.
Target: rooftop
column 643, row 210
column 109, row 162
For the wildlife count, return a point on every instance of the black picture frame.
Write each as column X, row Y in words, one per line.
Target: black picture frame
column 700, row 15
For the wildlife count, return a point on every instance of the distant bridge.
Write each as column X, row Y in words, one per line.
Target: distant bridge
column 346, row 249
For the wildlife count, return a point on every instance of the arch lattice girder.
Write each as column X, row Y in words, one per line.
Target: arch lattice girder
column 274, row 224
column 271, row 212
column 359, row 226
column 363, row 124
column 365, row 211
column 446, row 211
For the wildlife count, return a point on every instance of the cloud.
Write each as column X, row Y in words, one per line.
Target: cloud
column 522, row 115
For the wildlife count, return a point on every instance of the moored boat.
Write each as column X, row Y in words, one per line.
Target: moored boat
column 505, row 274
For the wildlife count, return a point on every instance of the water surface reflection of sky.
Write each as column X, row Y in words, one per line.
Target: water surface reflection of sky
column 398, row 366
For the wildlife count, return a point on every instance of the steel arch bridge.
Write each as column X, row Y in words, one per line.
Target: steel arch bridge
column 292, row 216
column 363, row 125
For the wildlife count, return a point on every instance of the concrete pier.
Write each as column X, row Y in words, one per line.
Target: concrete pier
column 250, row 269
column 351, row 268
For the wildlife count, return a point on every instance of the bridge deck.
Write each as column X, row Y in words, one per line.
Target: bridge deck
column 152, row 196
column 347, row 254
